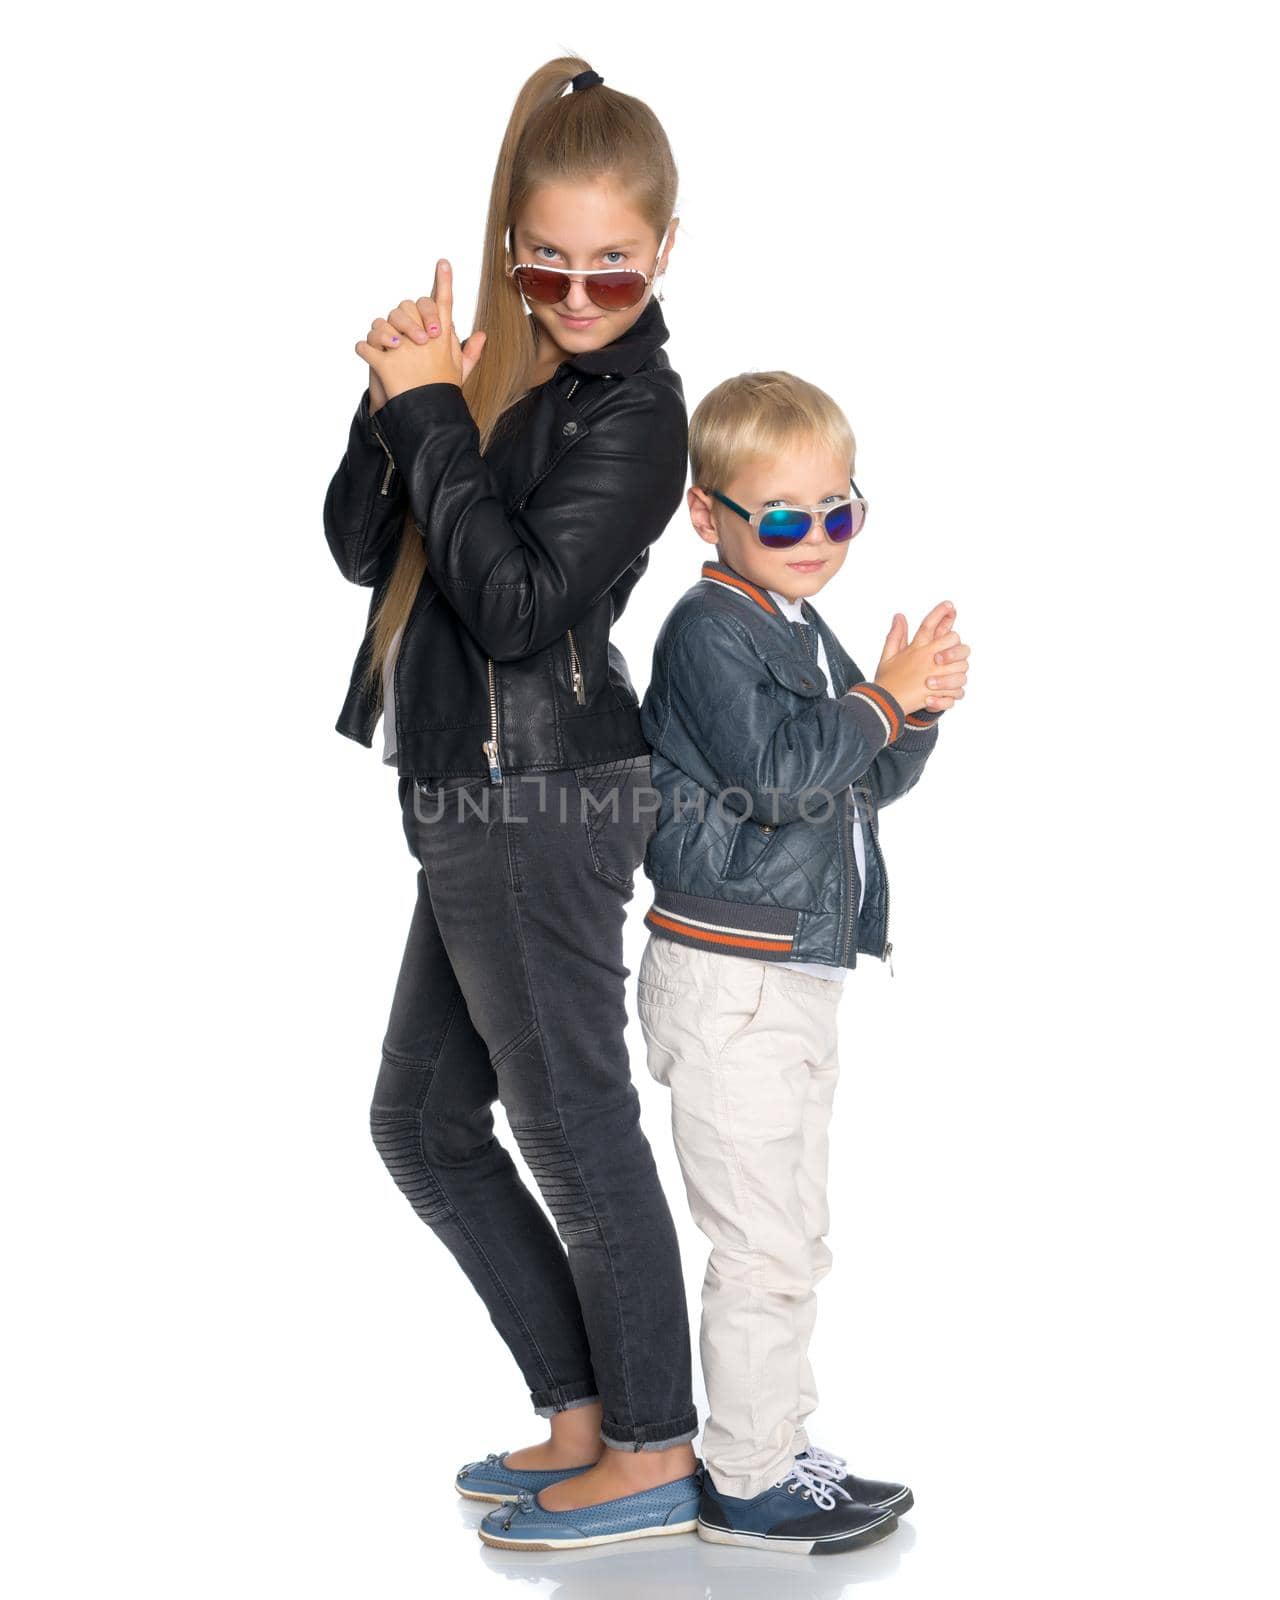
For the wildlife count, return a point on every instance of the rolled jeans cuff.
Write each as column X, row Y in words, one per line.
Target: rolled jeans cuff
column 651, row 1435
column 547, row 1402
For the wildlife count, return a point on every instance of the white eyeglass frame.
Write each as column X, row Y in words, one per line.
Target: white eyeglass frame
column 589, row 272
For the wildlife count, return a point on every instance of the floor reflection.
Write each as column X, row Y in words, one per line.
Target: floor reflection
column 684, row 1567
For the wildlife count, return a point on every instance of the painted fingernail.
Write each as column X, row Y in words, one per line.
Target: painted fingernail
column 433, row 327
column 395, row 338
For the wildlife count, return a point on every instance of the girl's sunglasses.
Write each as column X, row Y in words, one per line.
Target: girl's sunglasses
column 610, row 288
column 780, row 527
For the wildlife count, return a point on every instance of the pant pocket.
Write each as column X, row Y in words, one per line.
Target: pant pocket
column 617, row 816
column 669, row 1011
column 734, row 1000
column 652, row 994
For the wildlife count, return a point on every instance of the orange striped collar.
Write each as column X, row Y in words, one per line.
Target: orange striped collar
column 719, row 572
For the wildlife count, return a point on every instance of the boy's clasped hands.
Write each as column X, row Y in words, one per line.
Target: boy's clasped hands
column 928, row 673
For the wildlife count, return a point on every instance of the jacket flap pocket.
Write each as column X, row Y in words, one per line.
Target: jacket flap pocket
column 797, row 673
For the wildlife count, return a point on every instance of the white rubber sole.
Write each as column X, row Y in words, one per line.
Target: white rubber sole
column 581, row 1544
column 799, row 1547
column 493, row 1499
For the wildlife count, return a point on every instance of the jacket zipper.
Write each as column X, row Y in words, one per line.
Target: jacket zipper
column 391, row 462
column 491, row 743
column 851, row 873
column 575, row 672
column 886, row 953
column 575, row 666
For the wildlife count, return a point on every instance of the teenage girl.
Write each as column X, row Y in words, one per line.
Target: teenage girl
column 499, row 498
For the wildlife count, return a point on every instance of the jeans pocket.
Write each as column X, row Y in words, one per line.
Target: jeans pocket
column 617, row 816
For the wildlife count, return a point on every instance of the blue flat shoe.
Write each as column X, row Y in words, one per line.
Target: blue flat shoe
column 492, row 1479
column 526, row 1525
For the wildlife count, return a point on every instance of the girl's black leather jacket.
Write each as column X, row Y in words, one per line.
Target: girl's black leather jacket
column 533, row 548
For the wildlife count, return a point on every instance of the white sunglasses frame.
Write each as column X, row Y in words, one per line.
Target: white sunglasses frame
column 818, row 513
column 588, row 272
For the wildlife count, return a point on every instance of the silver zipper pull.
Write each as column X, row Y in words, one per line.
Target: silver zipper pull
column 491, row 743
column 888, row 956
column 391, row 460
column 575, row 672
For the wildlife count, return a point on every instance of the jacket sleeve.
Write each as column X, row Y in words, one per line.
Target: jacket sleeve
column 718, row 717
column 899, row 765
column 517, row 580
column 364, row 507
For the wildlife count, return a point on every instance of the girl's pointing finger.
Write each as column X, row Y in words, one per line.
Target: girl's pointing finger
column 444, row 290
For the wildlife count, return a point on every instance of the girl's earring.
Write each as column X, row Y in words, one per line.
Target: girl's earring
column 661, row 277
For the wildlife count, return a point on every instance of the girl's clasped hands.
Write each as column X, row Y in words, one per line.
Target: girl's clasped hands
column 417, row 343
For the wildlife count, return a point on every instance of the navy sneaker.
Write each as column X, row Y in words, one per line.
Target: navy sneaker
column 867, row 1491
column 670, row 1508
column 492, row 1479
column 805, row 1513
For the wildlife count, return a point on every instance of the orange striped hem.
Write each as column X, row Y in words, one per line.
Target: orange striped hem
column 739, row 941
column 920, row 722
column 734, row 582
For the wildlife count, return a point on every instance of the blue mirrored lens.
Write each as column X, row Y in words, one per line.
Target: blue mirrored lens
column 840, row 522
column 781, row 528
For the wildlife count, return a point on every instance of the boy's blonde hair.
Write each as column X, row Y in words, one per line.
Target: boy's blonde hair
column 755, row 414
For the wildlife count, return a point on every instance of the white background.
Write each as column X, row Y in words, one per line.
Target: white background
column 1030, row 251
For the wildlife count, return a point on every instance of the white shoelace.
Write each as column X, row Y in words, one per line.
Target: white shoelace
column 812, row 1484
column 824, row 1462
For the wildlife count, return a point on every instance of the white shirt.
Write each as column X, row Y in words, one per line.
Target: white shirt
column 820, row 969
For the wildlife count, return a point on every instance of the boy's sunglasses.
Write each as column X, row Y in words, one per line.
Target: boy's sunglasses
column 780, row 527
column 610, row 288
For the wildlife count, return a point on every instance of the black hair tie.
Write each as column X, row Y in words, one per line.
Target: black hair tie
column 586, row 80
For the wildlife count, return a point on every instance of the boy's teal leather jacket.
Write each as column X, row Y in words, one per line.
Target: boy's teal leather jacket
column 752, row 761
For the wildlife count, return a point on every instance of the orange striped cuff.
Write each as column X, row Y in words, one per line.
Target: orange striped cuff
column 888, row 712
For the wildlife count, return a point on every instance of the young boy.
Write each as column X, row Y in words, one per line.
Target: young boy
column 771, row 756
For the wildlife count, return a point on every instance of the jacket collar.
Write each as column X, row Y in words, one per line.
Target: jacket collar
column 721, row 573
column 630, row 350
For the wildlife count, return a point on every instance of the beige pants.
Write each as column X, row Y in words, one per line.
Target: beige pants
column 748, row 1050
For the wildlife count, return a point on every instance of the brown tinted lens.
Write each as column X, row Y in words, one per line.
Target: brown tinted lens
column 615, row 291
column 542, row 284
